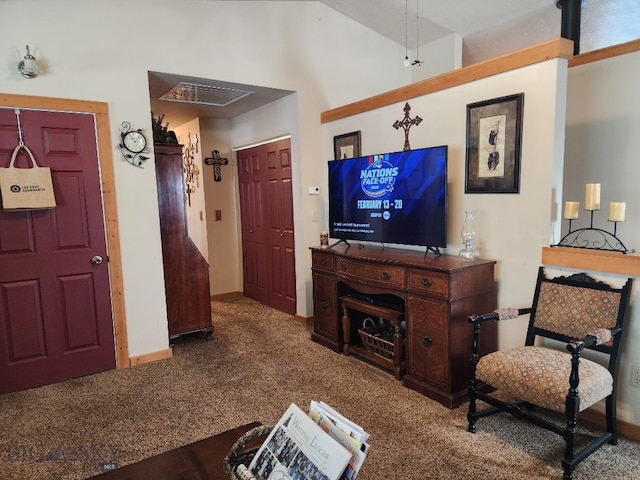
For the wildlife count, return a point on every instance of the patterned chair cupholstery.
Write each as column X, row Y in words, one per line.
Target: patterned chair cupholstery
column 580, row 312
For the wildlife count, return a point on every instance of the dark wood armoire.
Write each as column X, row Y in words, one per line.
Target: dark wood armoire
column 186, row 271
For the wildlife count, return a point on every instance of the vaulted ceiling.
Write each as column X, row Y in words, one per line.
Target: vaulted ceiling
column 418, row 22
column 405, row 21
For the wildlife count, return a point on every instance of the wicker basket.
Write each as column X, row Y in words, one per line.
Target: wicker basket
column 239, row 454
column 377, row 345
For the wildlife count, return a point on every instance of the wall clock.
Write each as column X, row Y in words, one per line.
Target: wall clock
column 133, row 144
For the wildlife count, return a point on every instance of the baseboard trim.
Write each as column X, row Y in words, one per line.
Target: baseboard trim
column 224, row 296
column 625, row 429
column 150, row 357
column 303, row 320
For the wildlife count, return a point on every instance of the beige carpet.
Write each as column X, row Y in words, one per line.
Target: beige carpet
column 258, row 362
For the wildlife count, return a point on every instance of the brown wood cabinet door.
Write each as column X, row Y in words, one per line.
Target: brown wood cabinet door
column 428, row 340
column 325, row 315
column 266, row 208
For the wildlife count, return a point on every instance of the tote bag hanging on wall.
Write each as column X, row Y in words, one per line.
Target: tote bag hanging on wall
column 26, row 188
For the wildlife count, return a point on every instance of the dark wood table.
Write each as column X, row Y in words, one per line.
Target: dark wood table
column 200, row 460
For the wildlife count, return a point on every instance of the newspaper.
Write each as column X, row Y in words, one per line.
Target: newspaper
column 298, row 449
column 350, row 428
column 357, row 450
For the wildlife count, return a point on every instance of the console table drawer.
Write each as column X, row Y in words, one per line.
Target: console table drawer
column 423, row 281
column 387, row 275
column 323, row 261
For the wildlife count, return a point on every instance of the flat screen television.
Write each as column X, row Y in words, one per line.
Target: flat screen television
column 398, row 197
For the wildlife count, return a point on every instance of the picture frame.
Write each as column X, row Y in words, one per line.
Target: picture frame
column 494, row 139
column 346, row 145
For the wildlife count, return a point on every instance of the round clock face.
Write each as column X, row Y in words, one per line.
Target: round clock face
column 134, row 141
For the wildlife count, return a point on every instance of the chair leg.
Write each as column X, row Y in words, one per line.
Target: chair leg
column 471, row 414
column 612, row 425
column 572, row 407
column 570, row 440
column 473, row 363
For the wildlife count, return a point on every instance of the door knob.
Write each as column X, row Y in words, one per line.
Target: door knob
column 97, row 260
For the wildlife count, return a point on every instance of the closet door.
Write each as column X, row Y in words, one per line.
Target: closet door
column 266, row 207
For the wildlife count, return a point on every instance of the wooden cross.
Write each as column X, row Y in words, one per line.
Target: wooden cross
column 216, row 161
column 406, row 124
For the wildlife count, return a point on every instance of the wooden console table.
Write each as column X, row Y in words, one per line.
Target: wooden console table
column 436, row 295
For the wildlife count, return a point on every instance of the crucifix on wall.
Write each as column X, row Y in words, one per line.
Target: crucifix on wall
column 406, row 124
column 216, row 161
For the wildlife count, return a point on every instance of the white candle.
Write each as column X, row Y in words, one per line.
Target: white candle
column 592, row 196
column 616, row 211
column 571, row 210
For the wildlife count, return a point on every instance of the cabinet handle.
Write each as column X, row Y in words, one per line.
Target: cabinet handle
column 324, row 304
column 427, row 341
column 323, row 262
column 426, row 282
column 343, row 267
column 386, row 275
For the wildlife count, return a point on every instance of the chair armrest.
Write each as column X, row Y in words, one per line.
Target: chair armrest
column 499, row 314
column 592, row 339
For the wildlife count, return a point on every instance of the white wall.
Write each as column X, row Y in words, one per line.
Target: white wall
column 93, row 51
column 225, row 257
column 602, row 145
column 440, row 56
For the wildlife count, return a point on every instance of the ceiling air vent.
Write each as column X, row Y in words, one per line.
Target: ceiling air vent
column 204, row 94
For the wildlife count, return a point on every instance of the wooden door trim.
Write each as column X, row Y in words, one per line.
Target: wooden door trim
column 105, row 158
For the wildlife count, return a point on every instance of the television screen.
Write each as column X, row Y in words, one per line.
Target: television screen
column 396, row 197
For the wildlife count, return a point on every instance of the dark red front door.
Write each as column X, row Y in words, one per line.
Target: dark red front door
column 55, row 304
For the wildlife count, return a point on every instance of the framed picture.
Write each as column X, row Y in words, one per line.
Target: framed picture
column 346, row 145
column 494, row 137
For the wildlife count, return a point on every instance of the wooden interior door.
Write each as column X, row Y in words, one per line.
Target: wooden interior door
column 266, row 207
column 55, row 303
column 254, row 266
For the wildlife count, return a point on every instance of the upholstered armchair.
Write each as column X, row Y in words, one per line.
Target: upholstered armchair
column 583, row 314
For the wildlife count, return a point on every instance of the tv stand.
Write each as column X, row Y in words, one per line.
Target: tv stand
column 438, row 295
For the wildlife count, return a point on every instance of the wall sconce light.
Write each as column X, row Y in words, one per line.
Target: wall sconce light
column 28, row 67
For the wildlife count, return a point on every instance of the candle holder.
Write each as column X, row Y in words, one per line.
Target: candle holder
column 593, row 238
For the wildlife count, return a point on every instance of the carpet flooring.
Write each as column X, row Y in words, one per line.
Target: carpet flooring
column 258, row 362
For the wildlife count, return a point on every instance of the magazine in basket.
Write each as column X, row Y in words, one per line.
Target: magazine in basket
column 299, row 448
column 350, row 435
